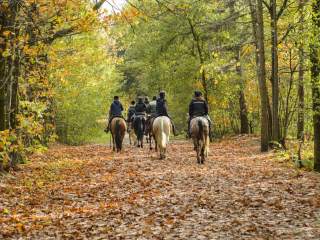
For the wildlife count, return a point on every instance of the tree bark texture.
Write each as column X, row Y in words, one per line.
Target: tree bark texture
column 315, row 80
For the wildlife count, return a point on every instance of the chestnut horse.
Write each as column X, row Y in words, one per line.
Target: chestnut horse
column 118, row 131
column 199, row 129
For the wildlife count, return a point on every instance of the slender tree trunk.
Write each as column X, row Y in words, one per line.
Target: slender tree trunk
column 244, row 122
column 201, row 59
column 274, row 72
column 258, row 32
column 14, row 101
column 2, row 107
column 300, row 123
column 315, row 80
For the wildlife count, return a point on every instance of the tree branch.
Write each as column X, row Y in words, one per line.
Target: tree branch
column 289, row 29
column 67, row 31
column 283, row 7
column 266, row 5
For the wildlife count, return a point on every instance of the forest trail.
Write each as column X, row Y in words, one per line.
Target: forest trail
column 87, row 192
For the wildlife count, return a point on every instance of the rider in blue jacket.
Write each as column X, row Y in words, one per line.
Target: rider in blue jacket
column 115, row 110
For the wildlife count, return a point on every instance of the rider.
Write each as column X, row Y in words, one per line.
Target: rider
column 152, row 108
column 115, row 110
column 152, row 113
column 131, row 111
column 199, row 107
column 147, row 103
column 140, row 108
column 162, row 109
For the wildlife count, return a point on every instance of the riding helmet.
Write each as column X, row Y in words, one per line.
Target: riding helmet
column 162, row 94
column 197, row 93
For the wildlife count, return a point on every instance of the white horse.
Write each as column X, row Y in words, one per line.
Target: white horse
column 161, row 129
column 199, row 129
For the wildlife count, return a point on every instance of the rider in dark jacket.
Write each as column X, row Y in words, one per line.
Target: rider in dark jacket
column 140, row 107
column 162, row 109
column 115, row 110
column 147, row 103
column 131, row 111
column 198, row 107
column 152, row 108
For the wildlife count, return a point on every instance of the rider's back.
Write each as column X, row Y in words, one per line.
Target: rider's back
column 198, row 107
column 116, row 108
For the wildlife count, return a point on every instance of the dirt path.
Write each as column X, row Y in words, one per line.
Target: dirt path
column 89, row 193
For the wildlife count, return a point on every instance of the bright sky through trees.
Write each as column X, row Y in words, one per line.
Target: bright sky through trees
column 114, row 5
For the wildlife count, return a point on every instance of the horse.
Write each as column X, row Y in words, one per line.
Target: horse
column 161, row 129
column 118, row 131
column 132, row 135
column 148, row 131
column 139, row 124
column 199, row 129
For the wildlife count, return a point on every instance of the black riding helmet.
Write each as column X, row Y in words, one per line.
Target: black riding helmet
column 140, row 99
column 197, row 93
column 162, row 94
column 154, row 98
column 133, row 102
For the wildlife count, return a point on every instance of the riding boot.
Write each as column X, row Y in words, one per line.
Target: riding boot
column 107, row 129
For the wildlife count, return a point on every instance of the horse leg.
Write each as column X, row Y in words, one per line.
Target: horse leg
column 150, row 143
column 202, row 155
column 155, row 145
column 113, row 144
column 198, row 149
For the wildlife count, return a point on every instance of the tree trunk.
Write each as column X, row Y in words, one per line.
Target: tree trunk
column 201, row 59
column 258, row 32
column 300, row 123
column 274, row 72
column 2, row 106
column 315, row 80
column 244, row 123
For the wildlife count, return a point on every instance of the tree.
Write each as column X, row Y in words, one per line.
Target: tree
column 256, row 8
column 301, row 108
column 315, row 79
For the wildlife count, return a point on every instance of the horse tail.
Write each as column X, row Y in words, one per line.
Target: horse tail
column 118, row 138
column 201, row 130
column 163, row 136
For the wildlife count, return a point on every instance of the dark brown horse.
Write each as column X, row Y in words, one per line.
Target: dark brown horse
column 139, row 124
column 118, row 131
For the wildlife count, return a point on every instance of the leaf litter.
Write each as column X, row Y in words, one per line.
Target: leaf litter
column 88, row 192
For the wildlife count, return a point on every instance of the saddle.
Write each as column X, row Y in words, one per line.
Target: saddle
column 139, row 116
